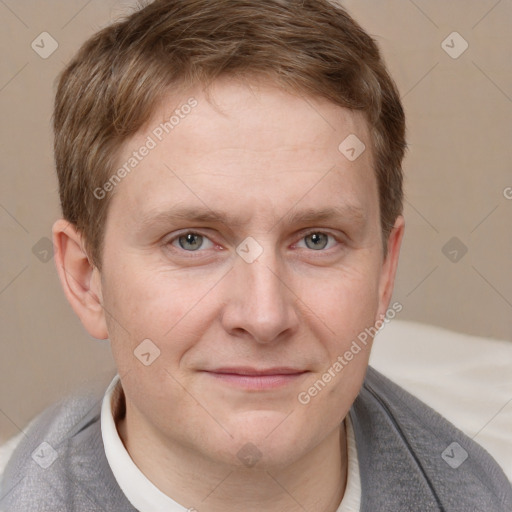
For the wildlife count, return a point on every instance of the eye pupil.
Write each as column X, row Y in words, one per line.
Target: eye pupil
column 319, row 241
column 190, row 241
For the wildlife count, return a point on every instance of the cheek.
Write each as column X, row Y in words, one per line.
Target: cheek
column 162, row 306
column 345, row 300
column 139, row 306
column 145, row 297
column 347, row 307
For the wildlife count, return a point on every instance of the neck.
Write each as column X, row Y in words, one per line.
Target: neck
column 315, row 482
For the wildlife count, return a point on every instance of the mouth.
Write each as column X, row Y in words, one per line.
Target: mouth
column 257, row 379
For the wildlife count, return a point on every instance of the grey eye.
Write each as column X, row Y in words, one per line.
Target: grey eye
column 190, row 241
column 316, row 241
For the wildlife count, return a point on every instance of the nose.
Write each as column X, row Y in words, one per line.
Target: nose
column 260, row 302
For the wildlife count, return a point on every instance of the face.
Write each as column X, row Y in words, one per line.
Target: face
column 247, row 248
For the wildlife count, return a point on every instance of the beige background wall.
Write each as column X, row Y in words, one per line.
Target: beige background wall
column 458, row 169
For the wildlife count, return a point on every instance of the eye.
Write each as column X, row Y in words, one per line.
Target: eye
column 192, row 242
column 318, row 241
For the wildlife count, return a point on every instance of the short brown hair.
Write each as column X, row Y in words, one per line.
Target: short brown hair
column 118, row 77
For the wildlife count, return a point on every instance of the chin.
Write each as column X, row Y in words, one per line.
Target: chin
column 264, row 440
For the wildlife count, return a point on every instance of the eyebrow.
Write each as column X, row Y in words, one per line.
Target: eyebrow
column 347, row 212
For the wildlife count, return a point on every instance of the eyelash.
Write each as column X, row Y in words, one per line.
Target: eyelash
column 198, row 251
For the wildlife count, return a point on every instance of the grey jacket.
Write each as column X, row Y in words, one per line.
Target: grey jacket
column 410, row 458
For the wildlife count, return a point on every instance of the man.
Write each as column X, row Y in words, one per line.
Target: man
column 231, row 184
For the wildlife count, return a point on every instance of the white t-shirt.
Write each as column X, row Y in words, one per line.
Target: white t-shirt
column 146, row 497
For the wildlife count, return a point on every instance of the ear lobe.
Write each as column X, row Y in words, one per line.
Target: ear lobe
column 80, row 280
column 388, row 272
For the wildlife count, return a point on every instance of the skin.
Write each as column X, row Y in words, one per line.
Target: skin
column 259, row 156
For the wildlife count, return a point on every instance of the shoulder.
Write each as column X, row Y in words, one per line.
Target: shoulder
column 410, row 446
column 60, row 463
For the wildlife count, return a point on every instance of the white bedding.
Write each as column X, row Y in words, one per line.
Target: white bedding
column 467, row 379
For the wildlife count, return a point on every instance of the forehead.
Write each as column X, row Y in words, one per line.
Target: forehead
column 252, row 149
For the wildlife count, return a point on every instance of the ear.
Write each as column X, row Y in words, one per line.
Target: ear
column 388, row 272
column 79, row 278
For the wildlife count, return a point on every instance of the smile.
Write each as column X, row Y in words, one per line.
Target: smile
column 257, row 380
